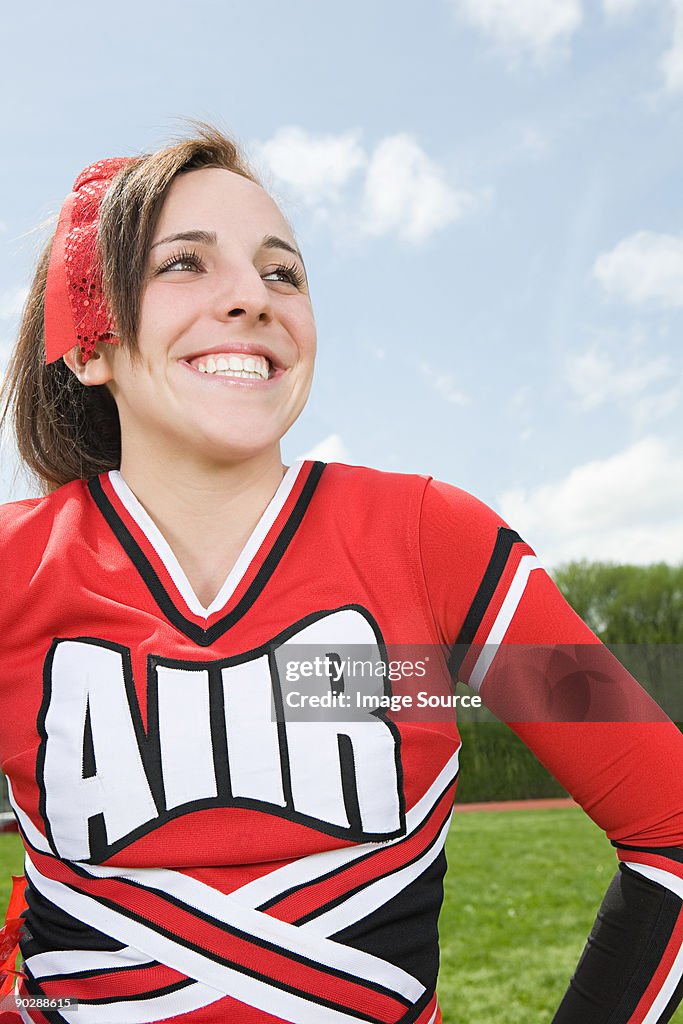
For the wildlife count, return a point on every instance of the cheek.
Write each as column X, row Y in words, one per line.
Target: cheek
column 306, row 333
column 155, row 332
column 296, row 316
column 162, row 309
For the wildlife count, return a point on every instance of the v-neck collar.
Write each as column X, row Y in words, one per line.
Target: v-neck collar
column 298, row 484
column 171, row 563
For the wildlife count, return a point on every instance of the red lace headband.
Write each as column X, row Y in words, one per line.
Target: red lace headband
column 76, row 312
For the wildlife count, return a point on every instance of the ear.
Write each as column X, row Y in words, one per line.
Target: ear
column 97, row 369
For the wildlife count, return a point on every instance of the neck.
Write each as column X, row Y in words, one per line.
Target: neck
column 205, row 513
column 190, row 493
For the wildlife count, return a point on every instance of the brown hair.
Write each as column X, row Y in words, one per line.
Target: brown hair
column 64, row 430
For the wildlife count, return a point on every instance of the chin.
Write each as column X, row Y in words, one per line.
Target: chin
column 237, row 446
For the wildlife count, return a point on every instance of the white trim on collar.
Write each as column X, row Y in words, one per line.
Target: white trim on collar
column 171, row 563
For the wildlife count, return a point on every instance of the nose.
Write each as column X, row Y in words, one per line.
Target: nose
column 243, row 294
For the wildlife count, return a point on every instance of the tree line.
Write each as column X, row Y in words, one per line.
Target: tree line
column 626, row 604
column 636, row 605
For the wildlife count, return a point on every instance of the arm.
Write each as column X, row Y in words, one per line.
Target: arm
column 540, row 669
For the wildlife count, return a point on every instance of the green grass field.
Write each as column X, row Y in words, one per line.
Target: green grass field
column 522, row 891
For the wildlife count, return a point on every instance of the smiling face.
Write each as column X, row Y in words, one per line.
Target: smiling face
column 226, row 338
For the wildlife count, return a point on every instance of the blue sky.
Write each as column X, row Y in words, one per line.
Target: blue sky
column 488, row 196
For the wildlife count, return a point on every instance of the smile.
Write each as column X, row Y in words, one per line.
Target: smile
column 230, row 364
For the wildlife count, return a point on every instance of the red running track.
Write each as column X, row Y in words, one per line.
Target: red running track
column 519, row 805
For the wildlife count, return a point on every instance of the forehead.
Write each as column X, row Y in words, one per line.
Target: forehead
column 214, row 199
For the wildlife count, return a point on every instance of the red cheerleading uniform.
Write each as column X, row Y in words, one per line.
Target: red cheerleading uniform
column 197, row 851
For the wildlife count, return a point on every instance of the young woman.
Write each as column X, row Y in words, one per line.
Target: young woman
column 196, row 851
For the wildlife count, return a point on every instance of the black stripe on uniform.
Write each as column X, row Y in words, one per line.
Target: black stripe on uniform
column 404, row 930
column 98, row 972
column 255, row 941
column 153, row 993
column 33, row 989
column 339, row 900
column 205, row 637
column 37, row 992
column 49, row 929
column 505, row 541
column 629, row 938
column 349, row 865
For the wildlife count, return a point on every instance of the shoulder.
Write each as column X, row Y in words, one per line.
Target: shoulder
column 372, row 501
column 367, row 485
column 462, row 554
column 16, row 517
column 440, row 508
column 369, row 482
column 17, row 511
column 31, row 510
column 26, row 526
column 452, row 510
column 469, row 556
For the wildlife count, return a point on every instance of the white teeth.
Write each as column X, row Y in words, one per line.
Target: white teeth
column 233, row 365
column 250, row 374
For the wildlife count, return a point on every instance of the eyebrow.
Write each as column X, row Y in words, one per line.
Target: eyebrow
column 211, row 238
column 273, row 242
column 205, row 237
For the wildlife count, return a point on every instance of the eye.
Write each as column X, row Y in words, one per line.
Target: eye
column 289, row 273
column 181, row 261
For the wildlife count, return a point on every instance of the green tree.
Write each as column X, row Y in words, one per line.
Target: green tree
column 626, row 604
column 638, row 611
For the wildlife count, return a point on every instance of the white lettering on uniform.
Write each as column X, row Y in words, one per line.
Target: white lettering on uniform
column 88, row 676
column 339, row 773
column 314, row 755
column 185, row 737
column 251, row 729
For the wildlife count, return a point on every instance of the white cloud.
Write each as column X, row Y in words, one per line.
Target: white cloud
column 443, row 384
column 657, row 406
column 644, row 267
column 395, row 189
column 407, row 193
column 541, row 28
column 330, row 449
column 313, row 168
column 12, row 301
column 625, row 508
column 671, row 63
column 596, row 377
